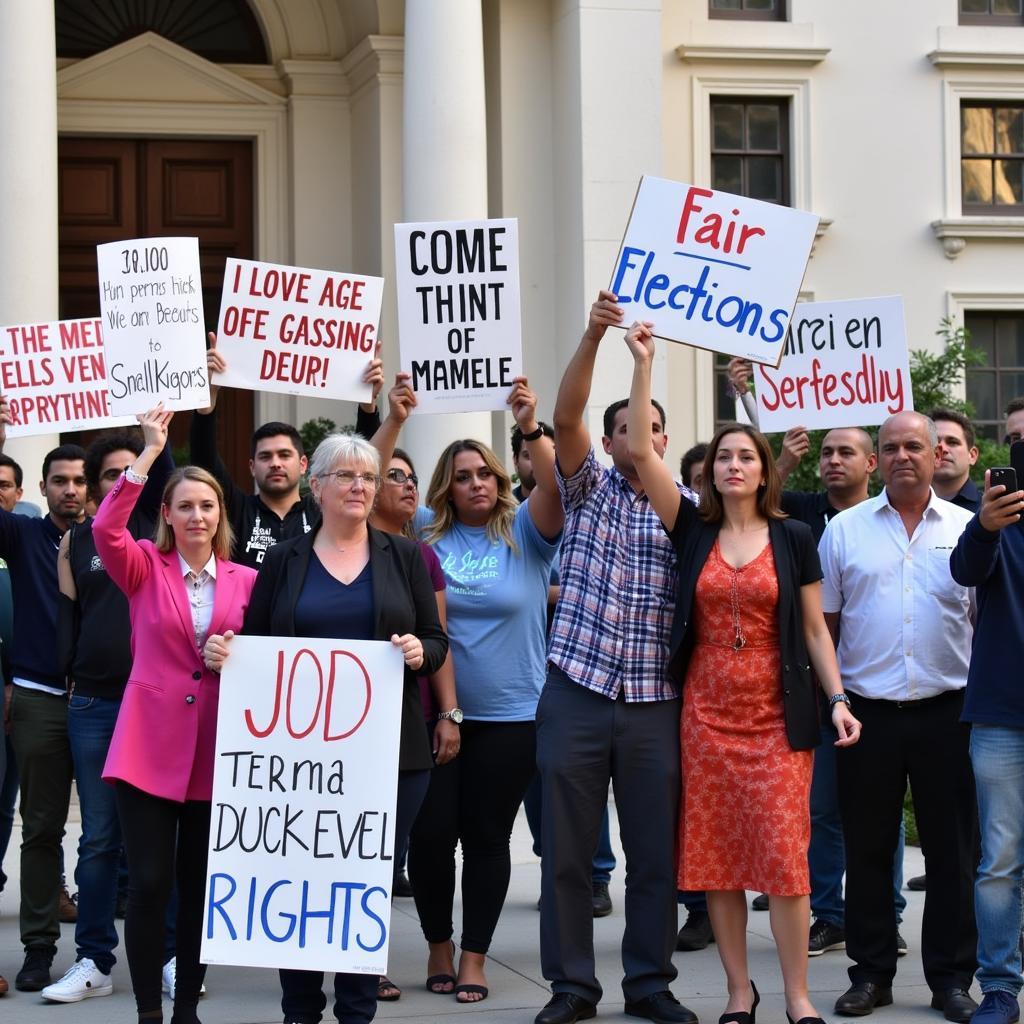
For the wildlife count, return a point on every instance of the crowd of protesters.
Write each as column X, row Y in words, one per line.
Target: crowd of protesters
column 758, row 673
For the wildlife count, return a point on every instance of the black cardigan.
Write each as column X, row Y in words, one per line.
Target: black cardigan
column 796, row 563
column 403, row 600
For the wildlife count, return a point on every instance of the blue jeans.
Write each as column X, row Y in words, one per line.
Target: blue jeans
column 997, row 754
column 8, row 798
column 826, row 855
column 91, row 723
column 604, row 859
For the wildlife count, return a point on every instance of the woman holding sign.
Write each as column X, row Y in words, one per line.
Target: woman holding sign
column 496, row 555
column 347, row 580
column 180, row 587
column 748, row 622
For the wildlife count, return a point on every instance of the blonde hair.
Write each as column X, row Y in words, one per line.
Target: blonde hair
column 499, row 523
column 223, row 538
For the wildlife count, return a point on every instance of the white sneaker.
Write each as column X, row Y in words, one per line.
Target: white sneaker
column 82, row 981
column 170, row 977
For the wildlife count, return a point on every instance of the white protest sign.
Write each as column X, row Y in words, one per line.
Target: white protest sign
column 54, row 377
column 151, row 306
column 459, row 321
column 298, row 331
column 304, row 784
column 713, row 270
column 845, row 365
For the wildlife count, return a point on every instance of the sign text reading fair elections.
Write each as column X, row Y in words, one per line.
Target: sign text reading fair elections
column 458, row 312
column 151, row 306
column 302, row 830
column 296, row 330
column 845, row 365
column 54, row 378
column 712, row 269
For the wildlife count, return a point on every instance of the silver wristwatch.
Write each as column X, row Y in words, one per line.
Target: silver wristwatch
column 454, row 715
column 838, row 698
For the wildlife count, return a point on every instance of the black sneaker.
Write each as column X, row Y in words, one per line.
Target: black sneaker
column 34, row 975
column 602, row 901
column 824, row 937
column 901, row 944
column 696, row 933
column 402, row 887
column 759, row 902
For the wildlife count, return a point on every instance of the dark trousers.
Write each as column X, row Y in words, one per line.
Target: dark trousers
column 583, row 741
column 474, row 800
column 355, row 995
column 39, row 735
column 164, row 840
column 925, row 742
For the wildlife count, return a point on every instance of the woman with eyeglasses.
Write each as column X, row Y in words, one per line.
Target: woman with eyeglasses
column 349, row 580
column 496, row 555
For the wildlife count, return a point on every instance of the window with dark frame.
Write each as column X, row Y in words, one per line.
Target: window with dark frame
column 749, row 10
column 992, row 157
column 749, row 157
column 1000, row 336
column 992, row 12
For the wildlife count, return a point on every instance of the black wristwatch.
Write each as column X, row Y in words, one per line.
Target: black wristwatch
column 838, row 698
column 454, row 715
column 534, row 435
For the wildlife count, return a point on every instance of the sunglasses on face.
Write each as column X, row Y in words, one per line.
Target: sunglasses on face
column 400, row 477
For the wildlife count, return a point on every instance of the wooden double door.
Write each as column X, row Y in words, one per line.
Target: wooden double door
column 113, row 189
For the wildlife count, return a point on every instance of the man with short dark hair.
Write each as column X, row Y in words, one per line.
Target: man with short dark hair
column 957, row 453
column 277, row 511
column 691, row 466
column 904, row 635
column 38, row 710
column 1014, row 421
column 990, row 556
column 609, row 710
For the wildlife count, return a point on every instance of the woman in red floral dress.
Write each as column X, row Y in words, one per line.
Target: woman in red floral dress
column 748, row 626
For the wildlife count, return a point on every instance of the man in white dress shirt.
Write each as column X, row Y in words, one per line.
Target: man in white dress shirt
column 904, row 631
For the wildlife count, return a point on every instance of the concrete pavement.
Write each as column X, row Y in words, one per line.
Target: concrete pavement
column 247, row 996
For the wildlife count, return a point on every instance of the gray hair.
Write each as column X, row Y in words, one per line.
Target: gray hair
column 349, row 448
column 929, row 423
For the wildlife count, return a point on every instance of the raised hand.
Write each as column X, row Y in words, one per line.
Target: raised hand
column 604, row 313
column 739, row 372
column 374, row 376
column 640, row 341
column 999, row 508
column 154, row 425
column 5, row 418
column 524, row 405
column 401, row 398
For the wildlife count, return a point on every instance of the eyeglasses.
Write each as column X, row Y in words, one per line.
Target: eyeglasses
column 347, row 478
column 400, row 477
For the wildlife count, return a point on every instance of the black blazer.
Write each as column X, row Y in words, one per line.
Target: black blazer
column 403, row 600
column 796, row 563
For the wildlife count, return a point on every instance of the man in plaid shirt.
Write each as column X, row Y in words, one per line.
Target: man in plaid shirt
column 608, row 710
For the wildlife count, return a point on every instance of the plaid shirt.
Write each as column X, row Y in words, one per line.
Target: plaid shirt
column 619, row 581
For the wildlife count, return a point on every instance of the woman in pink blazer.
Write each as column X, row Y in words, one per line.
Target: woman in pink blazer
column 180, row 588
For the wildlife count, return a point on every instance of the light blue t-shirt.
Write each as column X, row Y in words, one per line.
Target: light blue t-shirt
column 497, row 611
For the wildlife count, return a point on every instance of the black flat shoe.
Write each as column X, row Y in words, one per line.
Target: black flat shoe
column 662, row 1008
column 743, row 1016
column 566, row 1008
column 862, row 997
column 804, row 1020
column 956, row 1004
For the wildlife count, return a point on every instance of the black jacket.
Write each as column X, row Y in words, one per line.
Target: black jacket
column 796, row 563
column 403, row 600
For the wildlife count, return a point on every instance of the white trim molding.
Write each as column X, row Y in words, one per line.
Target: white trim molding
column 960, row 302
column 979, row 46
column 792, row 56
column 954, row 232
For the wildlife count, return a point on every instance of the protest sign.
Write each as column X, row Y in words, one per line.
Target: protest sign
column 54, row 377
column 296, row 330
column 151, row 306
column 713, row 270
column 845, row 365
column 302, row 827
column 459, row 319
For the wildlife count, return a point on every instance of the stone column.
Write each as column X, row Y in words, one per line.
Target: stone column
column 444, row 160
column 28, row 188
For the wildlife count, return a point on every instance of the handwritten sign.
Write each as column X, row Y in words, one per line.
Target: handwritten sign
column 298, row 331
column 54, row 377
column 302, row 828
column 712, row 270
column 151, row 306
column 845, row 365
column 458, row 312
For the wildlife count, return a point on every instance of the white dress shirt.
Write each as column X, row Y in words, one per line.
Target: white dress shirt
column 905, row 624
column 200, row 589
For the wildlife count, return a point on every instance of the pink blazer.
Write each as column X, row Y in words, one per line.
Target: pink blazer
column 163, row 742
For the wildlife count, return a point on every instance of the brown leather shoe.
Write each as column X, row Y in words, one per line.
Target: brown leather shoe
column 67, row 909
column 3, row 985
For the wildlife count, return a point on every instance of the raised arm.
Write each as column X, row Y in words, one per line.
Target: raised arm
column 572, row 439
column 977, row 552
column 795, row 445
column 202, row 435
column 401, row 402
column 367, row 416
column 654, row 475
column 544, row 503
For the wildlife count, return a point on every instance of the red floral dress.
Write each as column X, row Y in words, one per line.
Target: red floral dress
column 745, row 815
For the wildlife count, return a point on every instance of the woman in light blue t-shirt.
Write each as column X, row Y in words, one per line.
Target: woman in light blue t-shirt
column 496, row 556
